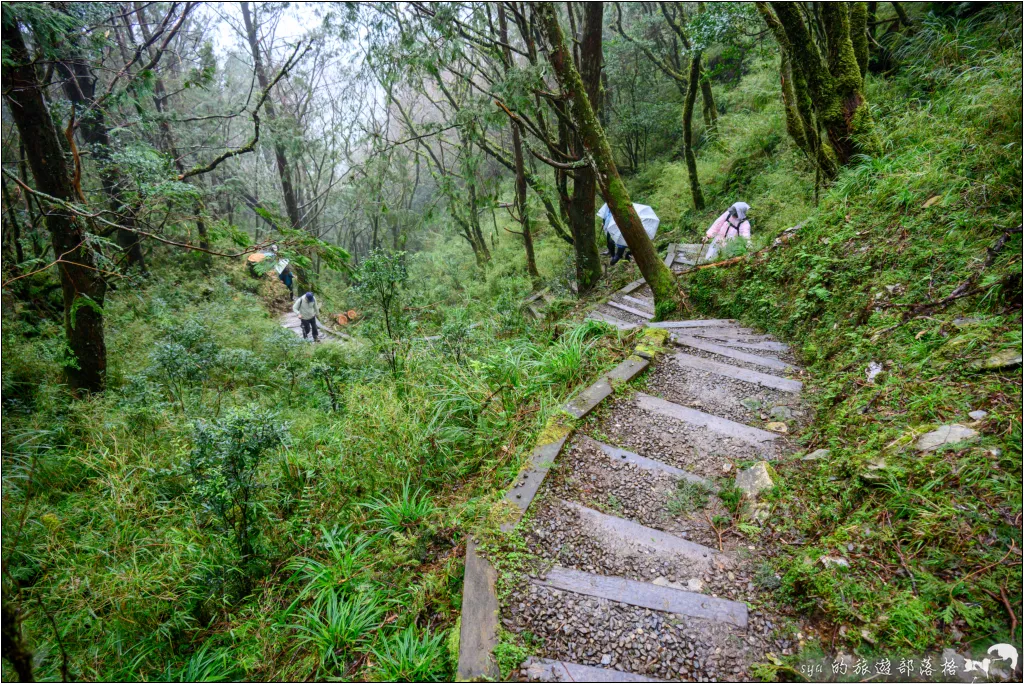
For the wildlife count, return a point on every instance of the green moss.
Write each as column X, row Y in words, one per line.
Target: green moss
column 559, row 426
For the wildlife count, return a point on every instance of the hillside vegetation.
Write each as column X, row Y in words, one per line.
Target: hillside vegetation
column 239, row 504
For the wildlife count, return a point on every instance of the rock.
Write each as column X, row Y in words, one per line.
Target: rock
column 662, row 582
column 834, row 562
column 1008, row 358
column 606, row 659
column 755, row 479
column 777, row 427
column 695, row 584
column 977, row 415
column 874, row 368
column 947, row 434
column 816, row 455
column 781, row 413
column 726, row 467
column 751, row 403
column 967, row 321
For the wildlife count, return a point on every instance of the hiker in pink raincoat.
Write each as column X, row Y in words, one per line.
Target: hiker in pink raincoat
column 727, row 226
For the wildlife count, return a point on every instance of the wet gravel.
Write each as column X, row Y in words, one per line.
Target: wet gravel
column 597, row 632
column 743, row 402
column 781, row 372
column 587, row 476
column 601, row 633
column 694, row 449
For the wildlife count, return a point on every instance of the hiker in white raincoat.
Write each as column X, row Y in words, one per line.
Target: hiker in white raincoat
column 727, row 226
column 613, row 236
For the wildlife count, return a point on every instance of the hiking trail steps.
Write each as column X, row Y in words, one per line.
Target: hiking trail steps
column 630, row 580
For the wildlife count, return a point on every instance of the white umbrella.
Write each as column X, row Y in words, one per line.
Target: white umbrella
column 647, row 216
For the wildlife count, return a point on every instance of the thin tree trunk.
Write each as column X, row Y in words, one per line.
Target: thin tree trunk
column 284, row 170
column 599, row 154
column 517, row 156
column 710, row 111
column 691, row 158
column 81, row 284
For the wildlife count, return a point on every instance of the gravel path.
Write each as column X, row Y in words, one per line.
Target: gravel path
column 626, row 520
column 593, row 631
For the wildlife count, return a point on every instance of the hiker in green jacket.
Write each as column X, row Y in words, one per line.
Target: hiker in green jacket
column 307, row 308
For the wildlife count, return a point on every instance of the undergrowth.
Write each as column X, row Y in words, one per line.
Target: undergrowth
column 933, row 539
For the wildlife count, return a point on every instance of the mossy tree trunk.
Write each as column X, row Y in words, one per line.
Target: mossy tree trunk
column 859, row 36
column 710, row 110
column 599, row 154
column 584, row 185
column 834, row 86
column 81, row 283
column 691, row 158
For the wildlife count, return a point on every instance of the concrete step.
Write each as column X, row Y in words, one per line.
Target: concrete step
column 546, row 670
column 611, row 320
column 737, row 373
column 767, row 345
column 630, row 309
column 623, row 456
column 730, row 353
column 633, row 286
column 646, row 595
column 642, row 302
column 698, row 323
column 723, row 426
column 625, row 537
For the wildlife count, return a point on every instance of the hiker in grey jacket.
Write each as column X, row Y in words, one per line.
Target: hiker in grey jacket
column 307, row 309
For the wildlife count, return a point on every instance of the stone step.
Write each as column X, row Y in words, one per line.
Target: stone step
column 730, row 353
column 642, row 302
column 546, row 670
column 723, row 426
column 737, row 373
column 629, row 309
column 727, row 335
column 633, row 286
column 767, row 345
column 698, row 323
column 626, row 536
column 646, row 595
column 623, row 456
column 611, row 320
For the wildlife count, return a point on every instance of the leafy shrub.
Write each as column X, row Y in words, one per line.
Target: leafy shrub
column 224, row 463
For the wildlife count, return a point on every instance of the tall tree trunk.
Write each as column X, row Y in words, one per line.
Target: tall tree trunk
column 80, row 89
column 81, row 284
column 167, row 142
column 584, row 184
column 517, row 157
column 284, row 170
column 599, row 154
column 691, row 158
column 710, row 111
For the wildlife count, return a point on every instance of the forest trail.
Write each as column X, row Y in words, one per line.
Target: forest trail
column 640, row 579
